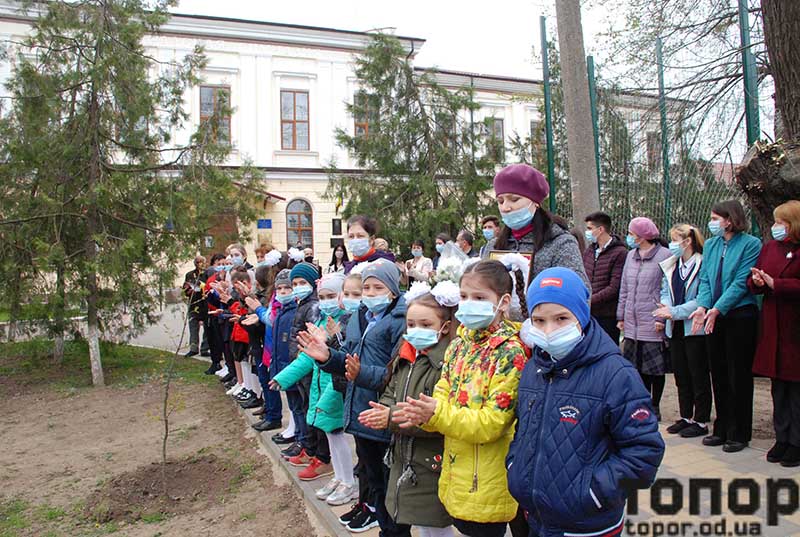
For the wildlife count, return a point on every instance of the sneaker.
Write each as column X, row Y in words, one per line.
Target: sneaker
column 212, row 369
column 244, row 394
column 205, row 354
column 315, row 470
column 301, row 459
column 266, row 425
column 345, row 519
column 363, row 521
column 291, row 451
column 235, row 389
column 282, row 440
column 328, row 489
column 678, row 426
column 776, row 452
column 791, row 458
column 343, row 494
column 222, row 372
column 694, row 430
column 229, row 377
column 190, row 354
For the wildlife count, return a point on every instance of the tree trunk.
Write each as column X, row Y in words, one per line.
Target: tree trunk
column 577, row 110
column 59, row 317
column 781, row 19
column 15, row 308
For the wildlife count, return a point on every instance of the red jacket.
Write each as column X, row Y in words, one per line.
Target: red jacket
column 239, row 334
column 778, row 352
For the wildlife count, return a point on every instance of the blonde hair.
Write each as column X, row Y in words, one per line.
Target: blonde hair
column 790, row 212
column 687, row 231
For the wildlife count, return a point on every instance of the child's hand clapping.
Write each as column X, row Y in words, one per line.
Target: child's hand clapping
column 376, row 417
column 252, row 303
column 414, row 412
column 352, row 367
column 313, row 347
column 250, row 320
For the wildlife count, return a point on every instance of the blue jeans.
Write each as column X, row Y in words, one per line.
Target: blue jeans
column 299, row 414
column 272, row 398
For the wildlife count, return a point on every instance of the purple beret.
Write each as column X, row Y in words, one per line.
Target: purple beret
column 643, row 227
column 522, row 180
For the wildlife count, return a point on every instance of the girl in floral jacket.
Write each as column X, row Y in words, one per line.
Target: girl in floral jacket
column 473, row 404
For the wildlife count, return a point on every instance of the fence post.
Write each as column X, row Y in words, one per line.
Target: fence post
column 662, row 108
column 750, row 77
column 548, row 115
column 595, row 131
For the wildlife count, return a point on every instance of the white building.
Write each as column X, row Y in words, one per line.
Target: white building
column 288, row 85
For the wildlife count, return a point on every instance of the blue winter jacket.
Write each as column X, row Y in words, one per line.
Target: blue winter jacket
column 585, row 424
column 281, row 337
column 375, row 350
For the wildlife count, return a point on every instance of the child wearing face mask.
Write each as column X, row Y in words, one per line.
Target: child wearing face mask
column 416, row 455
column 472, row 405
column 372, row 334
column 586, row 425
column 325, row 405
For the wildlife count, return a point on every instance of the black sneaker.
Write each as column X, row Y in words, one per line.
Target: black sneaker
column 351, row 514
column 678, row 426
column 694, row 430
column 244, row 395
column 776, row 452
column 791, row 458
column 281, row 440
column 227, row 378
column 213, row 369
column 363, row 521
column 205, row 354
column 265, row 425
column 291, row 451
column 190, row 354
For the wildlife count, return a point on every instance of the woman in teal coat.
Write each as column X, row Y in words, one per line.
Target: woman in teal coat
column 325, row 415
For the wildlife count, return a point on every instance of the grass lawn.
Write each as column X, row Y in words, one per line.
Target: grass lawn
column 31, row 363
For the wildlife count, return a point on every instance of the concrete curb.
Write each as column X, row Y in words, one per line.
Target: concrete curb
column 327, row 516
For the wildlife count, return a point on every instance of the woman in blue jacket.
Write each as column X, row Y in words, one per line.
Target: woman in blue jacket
column 373, row 335
column 727, row 313
column 592, row 428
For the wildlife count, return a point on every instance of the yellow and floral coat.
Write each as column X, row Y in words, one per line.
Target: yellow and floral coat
column 475, row 398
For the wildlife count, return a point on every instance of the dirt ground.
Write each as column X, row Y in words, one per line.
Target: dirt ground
column 63, row 455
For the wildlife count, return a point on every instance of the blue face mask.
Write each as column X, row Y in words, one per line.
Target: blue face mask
column 518, row 219
column 219, row 268
column 416, row 253
column 329, row 307
column 422, row 338
column 589, row 236
column 351, row 305
column 631, row 242
column 302, row 291
column 778, row 232
column 237, row 260
column 715, row 228
column 284, row 299
column 488, row 234
column 475, row 314
column 558, row 343
column 376, row 304
column 359, row 247
column 261, row 264
column 440, row 248
column 676, row 249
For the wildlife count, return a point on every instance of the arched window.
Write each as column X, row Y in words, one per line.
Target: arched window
column 299, row 223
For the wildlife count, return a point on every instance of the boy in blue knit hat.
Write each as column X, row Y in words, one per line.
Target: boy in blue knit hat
column 586, row 427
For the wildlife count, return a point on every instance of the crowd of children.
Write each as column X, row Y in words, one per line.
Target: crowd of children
column 462, row 416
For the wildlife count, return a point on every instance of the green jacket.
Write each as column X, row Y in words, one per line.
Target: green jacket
column 325, row 404
column 416, row 455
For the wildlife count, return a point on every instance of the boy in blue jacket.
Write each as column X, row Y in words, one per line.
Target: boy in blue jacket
column 586, row 427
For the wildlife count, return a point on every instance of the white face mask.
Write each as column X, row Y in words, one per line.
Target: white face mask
column 339, row 254
column 558, row 343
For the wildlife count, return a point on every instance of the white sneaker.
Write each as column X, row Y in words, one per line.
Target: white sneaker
column 222, row 372
column 328, row 489
column 343, row 494
column 234, row 390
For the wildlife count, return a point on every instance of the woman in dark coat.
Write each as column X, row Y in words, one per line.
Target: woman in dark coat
column 776, row 276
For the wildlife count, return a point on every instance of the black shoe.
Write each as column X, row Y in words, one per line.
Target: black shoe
column 252, row 403
column 292, row 451
column 280, row 440
column 227, row 378
column 190, row 354
column 713, row 440
column 732, row 446
column 678, row 426
column 363, row 521
column 213, row 369
column 776, row 452
column 791, row 458
column 694, row 430
column 351, row 514
column 265, row 425
column 205, row 354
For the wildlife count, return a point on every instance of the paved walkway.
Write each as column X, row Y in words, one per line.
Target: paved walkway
column 685, row 459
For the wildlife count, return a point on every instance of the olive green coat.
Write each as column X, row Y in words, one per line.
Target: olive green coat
column 415, row 455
